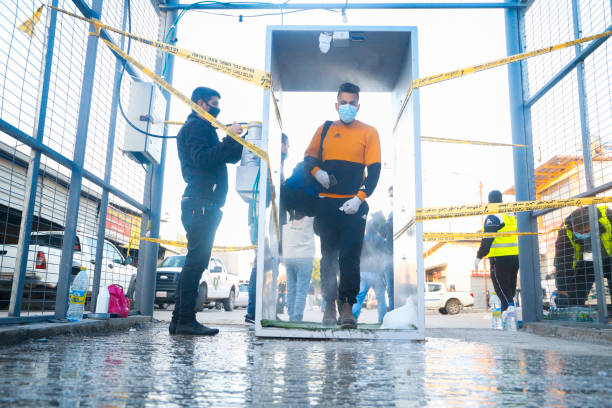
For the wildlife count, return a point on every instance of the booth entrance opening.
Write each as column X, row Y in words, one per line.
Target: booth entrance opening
column 318, row 59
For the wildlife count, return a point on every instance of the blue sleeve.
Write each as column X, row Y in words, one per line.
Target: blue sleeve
column 492, row 223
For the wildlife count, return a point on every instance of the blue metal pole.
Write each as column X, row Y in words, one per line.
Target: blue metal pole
column 602, row 312
column 147, row 265
column 89, row 13
column 27, row 214
column 531, row 290
column 76, row 180
column 110, row 147
column 340, row 6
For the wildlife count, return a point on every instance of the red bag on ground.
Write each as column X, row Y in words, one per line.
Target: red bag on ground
column 117, row 302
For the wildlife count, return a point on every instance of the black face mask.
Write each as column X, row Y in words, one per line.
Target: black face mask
column 214, row 111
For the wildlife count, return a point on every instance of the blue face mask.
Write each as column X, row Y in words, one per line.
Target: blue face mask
column 582, row 236
column 347, row 113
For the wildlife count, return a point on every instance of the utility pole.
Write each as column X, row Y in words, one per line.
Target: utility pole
column 484, row 261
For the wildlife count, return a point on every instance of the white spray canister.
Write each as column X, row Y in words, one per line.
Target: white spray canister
column 102, row 301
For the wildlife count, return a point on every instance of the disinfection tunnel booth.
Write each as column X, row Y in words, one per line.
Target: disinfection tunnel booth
column 377, row 59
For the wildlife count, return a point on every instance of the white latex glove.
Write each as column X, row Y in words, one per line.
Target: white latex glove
column 323, row 178
column 476, row 263
column 351, row 206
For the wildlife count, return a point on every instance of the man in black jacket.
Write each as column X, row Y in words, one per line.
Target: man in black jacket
column 574, row 273
column 203, row 165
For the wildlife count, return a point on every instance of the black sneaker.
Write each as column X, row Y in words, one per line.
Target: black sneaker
column 196, row 329
column 249, row 320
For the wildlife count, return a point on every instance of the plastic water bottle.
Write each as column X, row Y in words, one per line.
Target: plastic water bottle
column 78, row 293
column 510, row 317
column 102, row 300
column 553, row 301
column 495, row 305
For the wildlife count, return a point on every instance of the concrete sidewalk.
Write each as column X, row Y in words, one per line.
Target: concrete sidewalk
column 454, row 367
column 17, row 333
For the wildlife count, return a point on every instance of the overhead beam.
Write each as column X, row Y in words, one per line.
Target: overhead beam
column 339, row 6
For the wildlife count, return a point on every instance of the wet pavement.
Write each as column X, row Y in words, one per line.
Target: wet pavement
column 454, row 367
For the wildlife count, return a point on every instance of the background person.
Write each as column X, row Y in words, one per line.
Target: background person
column 349, row 147
column 203, row 165
column 249, row 318
column 574, row 274
column 298, row 254
column 372, row 270
column 502, row 252
column 388, row 252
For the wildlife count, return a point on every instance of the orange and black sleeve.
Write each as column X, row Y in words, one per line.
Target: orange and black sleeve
column 372, row 162
column 312, row 161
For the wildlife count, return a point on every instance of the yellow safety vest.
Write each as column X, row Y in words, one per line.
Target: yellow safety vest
column 505, row 246
column 606, row 236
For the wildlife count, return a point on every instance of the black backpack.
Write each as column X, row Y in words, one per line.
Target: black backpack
column 300, row 192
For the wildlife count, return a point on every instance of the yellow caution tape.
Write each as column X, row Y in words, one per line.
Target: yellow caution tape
column 204, row 115
column 468, row 236
column 471, row 142
column 423, row 214
column 232, row 248
column 418, row 83
column 183, row 244
column 247, row 74
column 28, row 26
column 177, row 123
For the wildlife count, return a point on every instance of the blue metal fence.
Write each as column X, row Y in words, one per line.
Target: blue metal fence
column 561, row 105
column 69, row 196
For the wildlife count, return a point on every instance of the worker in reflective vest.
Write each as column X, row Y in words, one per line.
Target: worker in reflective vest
column 574, row 273
column 502, row 252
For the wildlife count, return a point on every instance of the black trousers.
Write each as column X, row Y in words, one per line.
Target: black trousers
column 201, row 224
column 341, row 241
column 504, row 270
column 578, row 281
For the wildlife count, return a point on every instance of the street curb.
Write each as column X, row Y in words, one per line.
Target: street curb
column 584, row 332
column 15, row 334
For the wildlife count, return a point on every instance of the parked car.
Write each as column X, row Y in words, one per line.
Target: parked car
column 216, row 285
column 42, row 269
column 437, row 297
column 242, row 298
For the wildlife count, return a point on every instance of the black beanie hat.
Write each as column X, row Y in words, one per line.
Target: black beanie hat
column 495, row 196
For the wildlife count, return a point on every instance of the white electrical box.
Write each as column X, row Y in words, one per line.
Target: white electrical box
column 146, row 111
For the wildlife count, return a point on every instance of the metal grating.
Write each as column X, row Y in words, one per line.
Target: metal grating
column 557, row 131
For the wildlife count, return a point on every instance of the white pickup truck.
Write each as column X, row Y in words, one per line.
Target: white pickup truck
column 217, row 285
column 42, row 270
column 437, row 297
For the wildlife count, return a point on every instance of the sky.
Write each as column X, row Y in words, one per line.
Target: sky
column 475, row 107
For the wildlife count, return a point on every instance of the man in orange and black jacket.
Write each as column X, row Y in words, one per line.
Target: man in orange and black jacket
column 349, row 147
